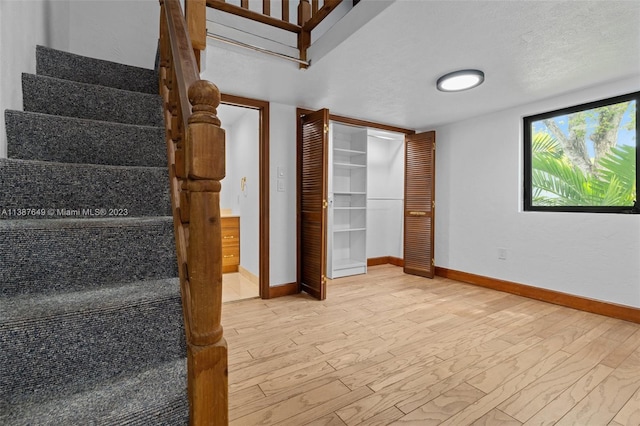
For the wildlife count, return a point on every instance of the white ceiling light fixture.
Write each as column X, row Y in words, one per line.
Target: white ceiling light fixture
column 460, row 80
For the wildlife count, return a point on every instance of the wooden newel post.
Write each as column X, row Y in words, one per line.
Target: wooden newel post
column 205, row 167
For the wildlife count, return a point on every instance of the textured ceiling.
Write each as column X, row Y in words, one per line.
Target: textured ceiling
column 386, row 71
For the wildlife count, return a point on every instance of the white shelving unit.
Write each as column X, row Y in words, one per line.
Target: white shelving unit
column 347, row 218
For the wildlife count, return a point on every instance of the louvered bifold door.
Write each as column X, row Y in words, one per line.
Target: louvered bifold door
column 313, row 155
column 419, row 204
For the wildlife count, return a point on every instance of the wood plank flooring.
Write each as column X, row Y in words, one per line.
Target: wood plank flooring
column 389, row 348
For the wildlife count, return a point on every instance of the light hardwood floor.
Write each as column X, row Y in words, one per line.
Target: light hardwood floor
column 388, row 348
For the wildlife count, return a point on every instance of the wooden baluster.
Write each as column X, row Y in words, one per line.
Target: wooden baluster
column 175, row 124
column 266, row 7
column 181, row 168
column 304, row 12
column 196, row 16
column 205, row 167
column 165, row 54
column 314, row 7
column 244, row 4
column 169, row 82
column 304, row 37
column 285, row 10
column 164, row 49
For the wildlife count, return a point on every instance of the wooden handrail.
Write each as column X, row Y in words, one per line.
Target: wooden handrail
column 185, row 65
column 255, row 16
column 312, row 17
column 196, row 159
column 320, row 14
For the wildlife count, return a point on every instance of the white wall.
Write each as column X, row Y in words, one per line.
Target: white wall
column 23, row 25
column 120, row 31
column 230, row 185
column 479, row 209
column 124, row 31
column 242, row 154
column 385, row 194
column 282, row 214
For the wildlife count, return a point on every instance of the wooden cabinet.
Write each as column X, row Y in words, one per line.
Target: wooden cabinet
column 230, row 243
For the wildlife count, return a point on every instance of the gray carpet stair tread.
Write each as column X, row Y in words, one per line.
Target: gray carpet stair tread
column 157, row 396
column 69, row 66
column 31, row 309
column 84, row 190
column 61, row 344
column 36, row 136
column 46, row 256
column 55, row 96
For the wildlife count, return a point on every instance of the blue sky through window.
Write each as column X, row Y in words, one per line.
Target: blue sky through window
column 625, row 136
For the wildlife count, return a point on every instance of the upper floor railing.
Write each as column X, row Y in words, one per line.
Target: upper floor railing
column 297, row 16
column 290, row 15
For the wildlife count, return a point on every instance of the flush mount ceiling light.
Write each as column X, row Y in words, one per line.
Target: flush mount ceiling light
column 460, row 80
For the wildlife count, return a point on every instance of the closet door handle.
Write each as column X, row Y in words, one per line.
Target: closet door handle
column 417, row 213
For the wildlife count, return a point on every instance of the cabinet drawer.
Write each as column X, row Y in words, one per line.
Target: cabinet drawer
column 230, row 236
column 230, row 222
column 231, row 255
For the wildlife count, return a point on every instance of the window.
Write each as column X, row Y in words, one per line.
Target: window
column 583, row 158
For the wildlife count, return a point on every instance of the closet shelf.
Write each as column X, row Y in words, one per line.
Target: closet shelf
column 349, row 193
column 348, row 263
column 349, row 230
column 348, row 151
column 350, row 165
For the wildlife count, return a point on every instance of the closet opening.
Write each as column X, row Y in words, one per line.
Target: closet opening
column 356, row 180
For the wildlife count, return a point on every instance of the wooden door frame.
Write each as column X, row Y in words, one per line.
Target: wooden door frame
column 263, row 159
column 358, row 122
column 338, row 119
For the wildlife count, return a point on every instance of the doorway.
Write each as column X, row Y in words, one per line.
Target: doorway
column 243, row 198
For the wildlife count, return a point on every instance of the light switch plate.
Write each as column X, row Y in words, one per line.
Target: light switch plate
column 282, row 172
column 280, row 185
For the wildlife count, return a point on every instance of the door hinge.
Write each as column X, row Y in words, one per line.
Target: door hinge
column 434, row 146
column 433, row 262
column 324, row 204
column 326, row 128
column 433, row 204
column 324, row 280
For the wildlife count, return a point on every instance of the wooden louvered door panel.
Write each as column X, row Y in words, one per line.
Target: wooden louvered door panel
column 419, row 178
column 313, row 158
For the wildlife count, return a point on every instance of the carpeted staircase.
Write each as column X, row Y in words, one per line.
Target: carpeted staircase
column 91, row 326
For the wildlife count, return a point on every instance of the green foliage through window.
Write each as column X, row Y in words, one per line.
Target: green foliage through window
column 583, row 158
